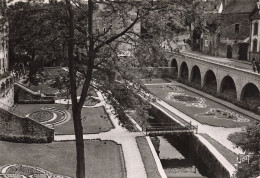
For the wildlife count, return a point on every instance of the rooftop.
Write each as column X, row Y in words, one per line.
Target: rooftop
column 240, row 7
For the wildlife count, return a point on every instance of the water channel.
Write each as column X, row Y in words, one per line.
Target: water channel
column 178, row 160
column 176, row 152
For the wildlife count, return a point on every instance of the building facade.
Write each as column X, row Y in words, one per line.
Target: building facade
column 3, row 43
column 235, row 29
column 255, row 33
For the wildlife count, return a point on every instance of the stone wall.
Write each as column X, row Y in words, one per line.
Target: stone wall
column 205, row 160
column 161, row 116
column 18, row 129
column 227, row 27
column 7, row 97
column 222, row 50
column 203, row 154
column 21, row 96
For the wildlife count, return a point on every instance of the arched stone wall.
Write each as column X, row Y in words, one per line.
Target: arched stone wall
column 240, row 77
column 227, row 84
column 195, row 75
column 175, row 68
column 210, row 80
column 249, row 90
column 184, row 71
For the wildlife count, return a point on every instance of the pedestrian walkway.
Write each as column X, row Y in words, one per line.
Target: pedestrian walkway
column 220, row 134
column 244, row 65
column 132, row 157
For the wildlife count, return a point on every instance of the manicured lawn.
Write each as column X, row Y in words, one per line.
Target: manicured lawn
column 91, row 91
column 229, row 155
column 60, row 157
column 91, row 101
column 147, row 157
column 198, row 113
column 154, row 80
column 94, row 120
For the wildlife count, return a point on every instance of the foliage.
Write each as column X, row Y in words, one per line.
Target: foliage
column 65, row 33
column 249, row 142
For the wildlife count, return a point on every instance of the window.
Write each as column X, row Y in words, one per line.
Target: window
column 236, row 28
column 255, row 28
column 206, row 43
column 255, row 45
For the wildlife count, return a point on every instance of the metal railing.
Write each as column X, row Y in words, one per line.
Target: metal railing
column 168, row 128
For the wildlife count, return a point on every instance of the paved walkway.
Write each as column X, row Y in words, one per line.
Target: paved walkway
column 244, row 65
column 133, row 161
column 220, row 134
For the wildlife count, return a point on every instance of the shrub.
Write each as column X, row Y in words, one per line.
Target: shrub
column 248, row 105
column 32, row 101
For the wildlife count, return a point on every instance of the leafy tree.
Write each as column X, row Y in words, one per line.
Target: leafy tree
column 91, row 48
column 249, row 142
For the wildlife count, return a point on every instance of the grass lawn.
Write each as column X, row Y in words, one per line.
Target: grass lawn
column 196, row 112
column 147, row 157
column 94, row 120
column 91, row 101
column 60, row 157
column 155, row 80
column 229, row 155
column 91, row 91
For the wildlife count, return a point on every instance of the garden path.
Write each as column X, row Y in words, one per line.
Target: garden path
column 220, row 134
column 133, row 161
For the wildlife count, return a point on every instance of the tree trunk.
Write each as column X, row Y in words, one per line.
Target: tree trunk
column 76, row 108
column 79, row 142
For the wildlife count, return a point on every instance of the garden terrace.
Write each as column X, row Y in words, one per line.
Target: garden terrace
column 60, row 157
column 94, row 120
column 202, row 109
column 17, row 129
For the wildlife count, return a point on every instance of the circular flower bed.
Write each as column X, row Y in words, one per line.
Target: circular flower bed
column 171, row 87
column 23, row 171
column 41, row 116
column 225, row 114
column 190, row 101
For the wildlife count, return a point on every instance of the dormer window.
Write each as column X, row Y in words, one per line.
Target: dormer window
column 255, row 28
column 236, row 28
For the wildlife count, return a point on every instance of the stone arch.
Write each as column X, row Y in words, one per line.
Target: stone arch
column 196, row 75
column 184, row 71
column 228, row 88
column 174, row 66
column 210, row 81
column 250, row 91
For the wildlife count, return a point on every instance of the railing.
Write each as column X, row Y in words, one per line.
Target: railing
column 168, row 128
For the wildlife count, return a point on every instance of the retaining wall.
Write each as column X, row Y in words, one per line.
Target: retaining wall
column 22, row 96
column 17, row 129
column 206, row 159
